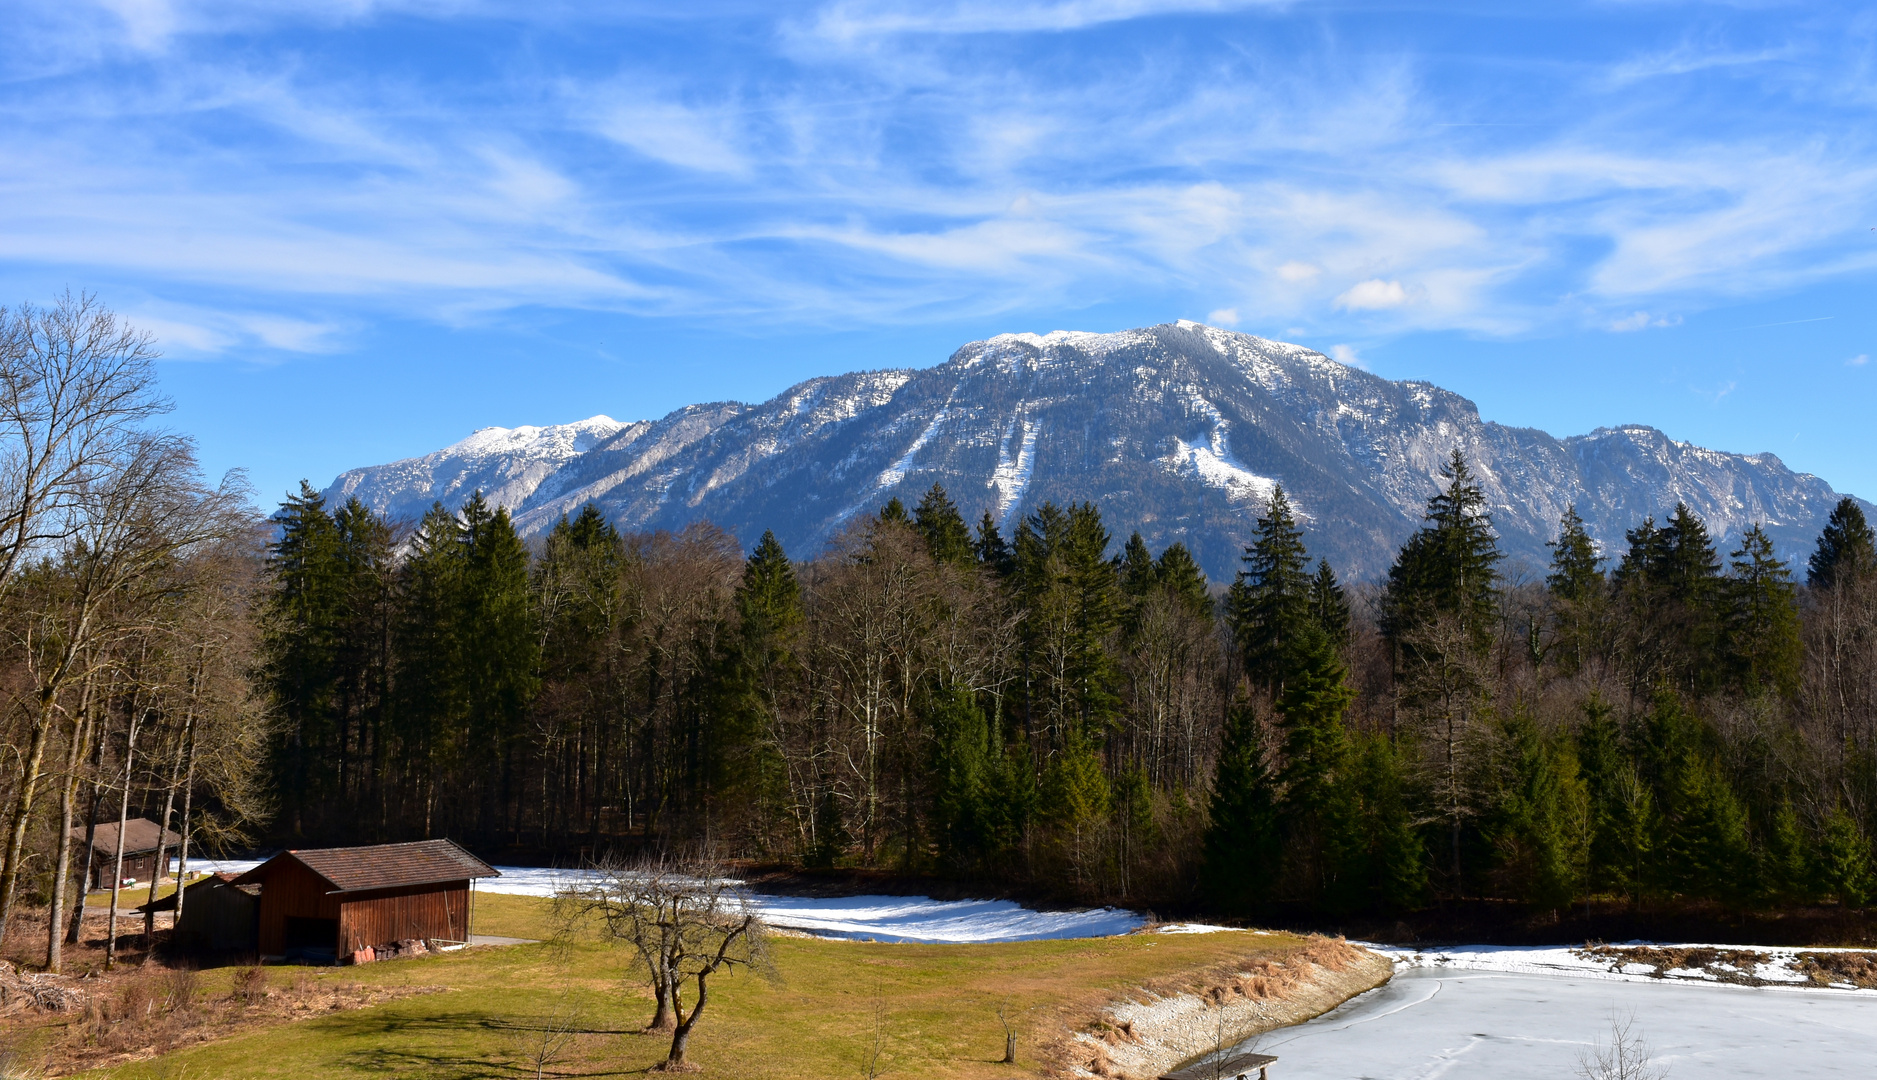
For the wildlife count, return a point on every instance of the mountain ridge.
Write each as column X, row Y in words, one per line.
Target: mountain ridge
column 1179, row 430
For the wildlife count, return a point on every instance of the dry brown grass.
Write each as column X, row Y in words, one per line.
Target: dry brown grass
column 1825, row 968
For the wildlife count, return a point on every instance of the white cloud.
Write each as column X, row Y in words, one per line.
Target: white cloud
column 675, row 134
column 846, row 21
column 1346, row 354
column 1858, row 361
column 1298, row 271
column 1373, row 295
column 1224, row 316
column 1641, row 320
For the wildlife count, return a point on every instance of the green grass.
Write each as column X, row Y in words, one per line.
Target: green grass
column 814, row 1020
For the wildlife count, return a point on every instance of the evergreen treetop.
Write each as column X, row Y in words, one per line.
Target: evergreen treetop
column 1447, row 567
column 1846, row 548
column 1270, row 600
column 1576, row 568
column 947, row 538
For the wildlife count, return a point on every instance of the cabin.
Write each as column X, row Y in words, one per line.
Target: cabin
column 217, row 914
column 1234, row 1067
column 142, row 837
column 327, row 904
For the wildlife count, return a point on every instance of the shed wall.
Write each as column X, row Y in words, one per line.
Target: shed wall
column 382, row 916
column 218, row 916
column 291, row 891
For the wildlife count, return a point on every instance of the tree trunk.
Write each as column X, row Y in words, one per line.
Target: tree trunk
column 162, row 847
column 68, row 794
column 77, row 928
column 182, row 854
column 681, row 1038
column 117, row 872
column 23, row 808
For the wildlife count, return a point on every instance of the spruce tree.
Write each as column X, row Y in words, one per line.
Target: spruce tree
column 1242, row 850
column 894, row 511
column 1762, row 619
column 1329, row 604
column 1389, row 865
column 500, row 651
column 1846, row 548
column 1448, row 567
column 947, row 538
column 1319, row 806
column 1270, row 602
column 1136, row 567
column 1177, row 572
column 429, row 673
column 1842, row 861
column 993, row 552
column 764, row 680
column 1576, row 575
column 1540, row 824
column 303, row 634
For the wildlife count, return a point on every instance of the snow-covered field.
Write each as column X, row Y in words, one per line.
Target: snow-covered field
column 877, row 918
column 1445, row 1021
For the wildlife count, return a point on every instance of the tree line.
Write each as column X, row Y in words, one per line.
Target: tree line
column 1056, row 709
column 129, row 599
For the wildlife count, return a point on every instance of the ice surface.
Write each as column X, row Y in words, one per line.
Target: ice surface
column 878, row 918
column 1429, row 1023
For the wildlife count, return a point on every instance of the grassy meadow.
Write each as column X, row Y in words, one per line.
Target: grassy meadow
column 932, row 1010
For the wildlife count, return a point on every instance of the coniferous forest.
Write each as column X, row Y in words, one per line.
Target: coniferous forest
column 1070, row 713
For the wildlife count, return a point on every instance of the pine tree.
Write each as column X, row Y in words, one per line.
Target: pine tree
column 1242, row 850
column 1319, row 805
column 1448, row 566
column 1762, row 619
column 1329, row 604
column 1269, row 603
column 1842, row 862
column 764, row 681
column 429, row 675
column 306, row 613
column 1669, row 587
column 1576, row 569
column 1540, row 824
column 1389, row 868
column 947, row 538
column 1847, row 549
column 894, row 511
column 500, row 651
column 1136, row 568
column 1578, row 591
column 1177, row 572
column 993, row 552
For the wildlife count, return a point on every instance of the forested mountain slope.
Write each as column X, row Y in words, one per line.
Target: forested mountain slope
column 1179, row 431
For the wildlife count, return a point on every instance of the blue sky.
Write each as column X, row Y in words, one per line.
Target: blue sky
column 361, row 230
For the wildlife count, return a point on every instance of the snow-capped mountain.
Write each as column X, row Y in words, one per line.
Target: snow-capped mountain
column 1179, row 430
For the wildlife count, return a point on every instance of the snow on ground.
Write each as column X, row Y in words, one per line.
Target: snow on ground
column 1771, row 964
column 875, row 918
column 1450, row 1022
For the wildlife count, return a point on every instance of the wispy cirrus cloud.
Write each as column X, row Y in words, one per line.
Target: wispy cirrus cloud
column 914, row 162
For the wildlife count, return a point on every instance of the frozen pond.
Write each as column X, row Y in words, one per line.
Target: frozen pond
column 1435, row 1022
column 867, row 918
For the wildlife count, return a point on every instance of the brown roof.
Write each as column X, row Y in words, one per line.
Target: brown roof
column 383, row 866
column 140, row 835
column 220, row 877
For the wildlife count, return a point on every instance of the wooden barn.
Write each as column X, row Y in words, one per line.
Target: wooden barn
column 328, row 904
column 217, row 914
column 141, row 839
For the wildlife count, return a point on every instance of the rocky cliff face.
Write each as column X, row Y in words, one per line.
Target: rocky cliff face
column 1178, row 430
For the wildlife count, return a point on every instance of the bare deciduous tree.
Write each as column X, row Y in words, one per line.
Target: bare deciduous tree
column 1625, row 1057
column 685, row 919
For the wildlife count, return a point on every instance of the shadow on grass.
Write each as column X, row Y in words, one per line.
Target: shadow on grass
column 450, row 1060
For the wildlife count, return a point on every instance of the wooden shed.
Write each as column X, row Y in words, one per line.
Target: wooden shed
column 141, row 839
column 326, row 904
column 217, row 914
column 1229, row 1067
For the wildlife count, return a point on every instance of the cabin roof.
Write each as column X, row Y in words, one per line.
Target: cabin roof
column 381, row 866
column 140, row 835
column 1231, row 1067
column 222, row 877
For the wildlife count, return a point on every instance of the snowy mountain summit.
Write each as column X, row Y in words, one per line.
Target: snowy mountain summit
column 1179, row 430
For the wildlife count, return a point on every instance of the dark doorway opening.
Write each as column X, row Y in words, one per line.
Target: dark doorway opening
column 312, row 939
